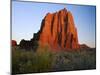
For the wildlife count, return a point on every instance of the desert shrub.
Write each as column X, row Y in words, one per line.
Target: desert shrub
column 44, row 60
column 19, row 59
column 28, row 61
column 75, row 60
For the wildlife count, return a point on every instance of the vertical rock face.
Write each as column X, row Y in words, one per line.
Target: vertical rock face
column 58, row 31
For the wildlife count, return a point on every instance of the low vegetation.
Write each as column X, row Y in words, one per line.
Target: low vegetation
column 43, row 60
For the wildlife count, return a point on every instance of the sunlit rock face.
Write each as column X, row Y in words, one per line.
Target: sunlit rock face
column 58, row 31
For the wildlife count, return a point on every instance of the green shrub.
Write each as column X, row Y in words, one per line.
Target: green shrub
column 28, row 61
column 75, row 60
column 43, row 60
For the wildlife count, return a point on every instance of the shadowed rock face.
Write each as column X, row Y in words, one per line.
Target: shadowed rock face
column 58, row 31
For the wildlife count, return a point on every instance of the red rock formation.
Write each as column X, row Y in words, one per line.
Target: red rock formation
column 84, row 46
column 14, row 43
column 58, row 31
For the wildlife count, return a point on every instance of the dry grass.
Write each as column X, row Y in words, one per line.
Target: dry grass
column 43, row 60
